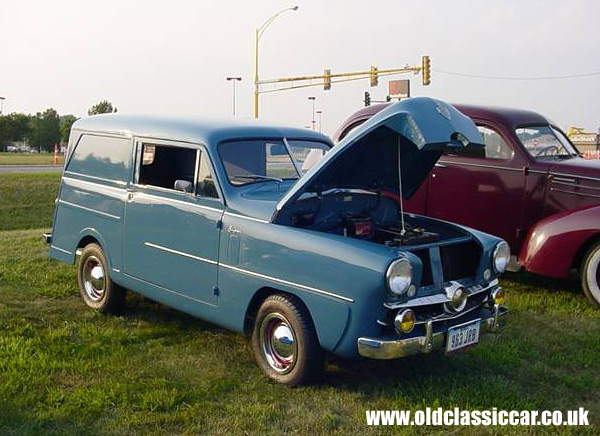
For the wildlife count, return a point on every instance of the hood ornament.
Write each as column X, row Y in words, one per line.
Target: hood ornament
column 443, row 111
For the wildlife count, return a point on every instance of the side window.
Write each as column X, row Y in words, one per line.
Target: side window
column 102, row 157
column 162, row 166
column 206, row 182
column 494, row 147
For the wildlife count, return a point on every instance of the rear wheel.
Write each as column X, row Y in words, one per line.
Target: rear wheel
column 97, row 289
column 590, row 275
column 285, row 343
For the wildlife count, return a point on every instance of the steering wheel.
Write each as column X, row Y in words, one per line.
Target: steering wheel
column 546, row 151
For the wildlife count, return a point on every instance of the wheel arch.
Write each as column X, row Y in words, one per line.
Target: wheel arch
column 89, row 236
column 579, row 257
column 557, row 243
column 257, row 300
column 330, row 318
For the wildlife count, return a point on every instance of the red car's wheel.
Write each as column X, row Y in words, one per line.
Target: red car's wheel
column 590, row 275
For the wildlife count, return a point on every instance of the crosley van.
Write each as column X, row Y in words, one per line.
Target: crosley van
column 274, row 232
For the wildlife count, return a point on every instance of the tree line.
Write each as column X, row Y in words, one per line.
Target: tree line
column 44, row 129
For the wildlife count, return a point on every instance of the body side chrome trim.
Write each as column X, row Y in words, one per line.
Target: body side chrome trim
column 246, row 217
column 180, row 253
column 285, row 282
column 171, row 291
column 118, row 182
column 563, row 179
column 574, row 193
column 173, row 200
column 575, row 185
column 494, row 167
column 536, row 171
column 61, row 249
column 88, row 209
column 86, row 182
column 596, row 179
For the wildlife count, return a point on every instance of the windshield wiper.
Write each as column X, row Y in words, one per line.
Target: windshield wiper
column 258, row 177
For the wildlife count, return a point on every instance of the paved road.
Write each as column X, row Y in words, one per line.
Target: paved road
column 31, row 168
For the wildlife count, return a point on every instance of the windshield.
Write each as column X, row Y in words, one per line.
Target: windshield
column 263, row 160
column 545, row 142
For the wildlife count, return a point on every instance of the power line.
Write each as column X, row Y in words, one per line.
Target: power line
column 481, row 76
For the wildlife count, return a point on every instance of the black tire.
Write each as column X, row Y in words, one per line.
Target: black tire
column 96, row 288
column 590, row 275
column 290, row 363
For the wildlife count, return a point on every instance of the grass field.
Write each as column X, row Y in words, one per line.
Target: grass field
column 66, row 370
column 28, row 159
column 27, row 200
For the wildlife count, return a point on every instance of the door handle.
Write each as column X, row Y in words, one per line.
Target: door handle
column 130, row 197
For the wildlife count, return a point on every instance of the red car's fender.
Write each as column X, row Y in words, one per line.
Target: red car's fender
column 554, row 244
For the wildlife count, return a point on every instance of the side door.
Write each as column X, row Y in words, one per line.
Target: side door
column 172, row 220
column 482, row 188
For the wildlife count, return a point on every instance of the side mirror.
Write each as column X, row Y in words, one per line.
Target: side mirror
column 184, row 186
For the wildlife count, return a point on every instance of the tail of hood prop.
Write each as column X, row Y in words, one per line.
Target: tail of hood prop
column 394, row 151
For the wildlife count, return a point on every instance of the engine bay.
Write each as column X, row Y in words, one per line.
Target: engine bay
column 368, row 215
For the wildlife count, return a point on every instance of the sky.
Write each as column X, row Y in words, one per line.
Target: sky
column 172, row 58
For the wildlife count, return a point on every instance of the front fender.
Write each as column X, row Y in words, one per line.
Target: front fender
column 553, row 243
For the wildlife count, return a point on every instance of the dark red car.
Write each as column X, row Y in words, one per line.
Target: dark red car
column 528, row 185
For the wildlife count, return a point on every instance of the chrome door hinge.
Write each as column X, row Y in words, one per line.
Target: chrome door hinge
column 216, row 291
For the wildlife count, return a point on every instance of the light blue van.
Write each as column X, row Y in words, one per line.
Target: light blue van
column 274, row 232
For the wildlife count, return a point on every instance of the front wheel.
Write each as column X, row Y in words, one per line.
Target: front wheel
column 97, row 289
column 285, row 343
column 590, row 275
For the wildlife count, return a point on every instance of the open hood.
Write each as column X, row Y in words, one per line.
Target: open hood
column 414, row 131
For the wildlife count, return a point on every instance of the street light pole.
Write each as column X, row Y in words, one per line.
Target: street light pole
column 258, row 33
column 233, row 80
column 313, row 111
column 319, row 113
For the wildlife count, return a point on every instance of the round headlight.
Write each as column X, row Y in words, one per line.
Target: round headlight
column 405, row 321
column 501, row 257
column 399, row 276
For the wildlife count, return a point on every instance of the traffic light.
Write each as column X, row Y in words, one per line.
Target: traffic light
column 426, row 71
column 367, row 98
column 374, row 78
column 327, row 80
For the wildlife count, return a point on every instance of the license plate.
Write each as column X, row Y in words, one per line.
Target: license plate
column 463, row 336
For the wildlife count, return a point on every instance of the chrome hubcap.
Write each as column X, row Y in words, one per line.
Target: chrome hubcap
column 278, row 342
column 94, row 279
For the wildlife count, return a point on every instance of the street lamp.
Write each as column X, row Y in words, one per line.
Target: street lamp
column 258, row 33
column 233, row 80
column 319, row 113
column 313, row 111
column 2, row 105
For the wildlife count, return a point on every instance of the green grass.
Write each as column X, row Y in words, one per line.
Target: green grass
column 29, row 159
column 27, row 200
column 67, row 370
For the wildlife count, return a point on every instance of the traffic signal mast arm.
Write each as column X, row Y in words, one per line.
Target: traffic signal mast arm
column 327, row 78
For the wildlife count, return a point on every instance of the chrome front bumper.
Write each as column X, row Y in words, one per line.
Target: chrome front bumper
column 383, row 349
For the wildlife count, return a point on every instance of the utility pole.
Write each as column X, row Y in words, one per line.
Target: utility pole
column 2, row 105
column 233, row 80
column 313, row 111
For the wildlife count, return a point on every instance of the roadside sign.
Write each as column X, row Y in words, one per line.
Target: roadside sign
column 399, row 88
